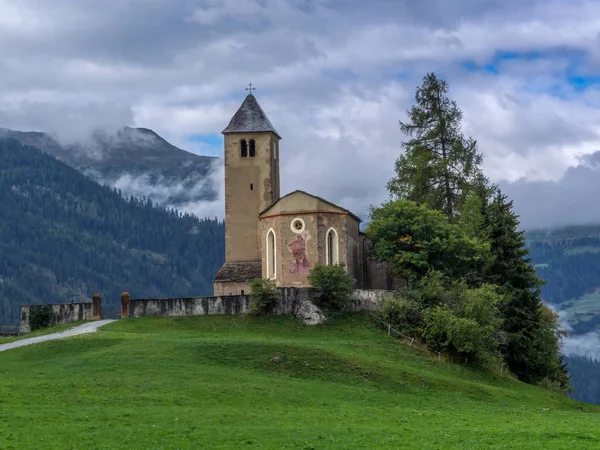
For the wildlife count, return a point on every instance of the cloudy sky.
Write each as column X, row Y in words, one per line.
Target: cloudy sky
column 334, row 77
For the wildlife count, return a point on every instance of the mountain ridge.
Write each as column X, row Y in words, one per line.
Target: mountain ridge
column 138, row 161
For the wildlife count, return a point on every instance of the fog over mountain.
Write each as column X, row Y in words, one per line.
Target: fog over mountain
column 140, row 163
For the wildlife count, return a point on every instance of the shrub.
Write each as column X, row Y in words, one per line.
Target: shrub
column 463, row 338
column 263, row 295
column 334, row 286
column 39, row 316
column 402, row 314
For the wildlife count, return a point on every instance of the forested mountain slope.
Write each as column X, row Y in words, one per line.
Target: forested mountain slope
column 568, row 259
column 63, row 237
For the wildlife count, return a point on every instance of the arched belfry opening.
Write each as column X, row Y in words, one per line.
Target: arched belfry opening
column 332, row 248
column 243, row 148
column 252, row 152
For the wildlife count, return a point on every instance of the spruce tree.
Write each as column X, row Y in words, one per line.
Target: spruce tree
column 532, row 336
column 439, row 164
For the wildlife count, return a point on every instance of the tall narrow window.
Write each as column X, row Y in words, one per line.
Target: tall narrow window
column 271, row 258
column 244, row 148
column 252, row 149
column 332, row 252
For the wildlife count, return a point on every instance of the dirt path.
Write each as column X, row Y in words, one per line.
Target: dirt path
column 81, row 329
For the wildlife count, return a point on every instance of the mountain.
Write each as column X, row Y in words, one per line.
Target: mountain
column 136, row 160
column 568, row 259
column 63, row 237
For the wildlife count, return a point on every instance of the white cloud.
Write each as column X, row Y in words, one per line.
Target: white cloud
column 334, row 77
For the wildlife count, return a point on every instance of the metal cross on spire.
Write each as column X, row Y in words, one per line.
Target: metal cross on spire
column 250, row 88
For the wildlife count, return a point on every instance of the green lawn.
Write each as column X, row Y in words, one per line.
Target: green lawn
column 268, row 383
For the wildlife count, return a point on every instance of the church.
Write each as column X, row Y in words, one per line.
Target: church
column 281, row 238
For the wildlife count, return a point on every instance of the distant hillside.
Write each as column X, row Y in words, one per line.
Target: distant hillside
column 137, row 160
column 568, row 259
column 63, row 237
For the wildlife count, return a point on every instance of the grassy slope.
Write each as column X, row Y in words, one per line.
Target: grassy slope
column 211, row 382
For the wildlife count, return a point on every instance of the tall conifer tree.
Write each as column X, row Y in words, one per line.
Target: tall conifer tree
column 439, row 164
column 533, row 334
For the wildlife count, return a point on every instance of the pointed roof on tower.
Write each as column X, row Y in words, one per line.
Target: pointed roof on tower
column 250, row 117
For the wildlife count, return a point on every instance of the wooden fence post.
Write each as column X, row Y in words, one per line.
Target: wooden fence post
column 96, row 307
column 125, row 305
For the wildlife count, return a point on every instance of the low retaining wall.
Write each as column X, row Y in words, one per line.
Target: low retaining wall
column 63, row 313
column 290, row 299
column 370, row 299
column 296, row 301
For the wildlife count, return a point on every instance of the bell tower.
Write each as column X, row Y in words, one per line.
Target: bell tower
column 251, row 179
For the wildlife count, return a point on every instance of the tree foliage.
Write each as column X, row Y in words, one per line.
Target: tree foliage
column 417, row 240
column 439, row 164
column 533, row 334
column 40, row 317
column 334, row 286
column 473, row 291
column 263, row 295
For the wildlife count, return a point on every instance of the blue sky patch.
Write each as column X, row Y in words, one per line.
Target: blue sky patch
column 572, row 74
column 207, row 144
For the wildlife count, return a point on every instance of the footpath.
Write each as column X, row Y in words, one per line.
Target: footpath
column 81, row 329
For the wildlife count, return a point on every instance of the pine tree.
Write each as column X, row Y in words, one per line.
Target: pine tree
column 439, row 164
column 533, row 334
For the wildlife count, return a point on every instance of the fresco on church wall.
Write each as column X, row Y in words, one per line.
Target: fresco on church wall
column 299, row 262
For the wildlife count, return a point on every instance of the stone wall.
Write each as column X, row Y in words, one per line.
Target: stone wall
column 62, row 313
column 370, row 299
column 229, row 288
column 291, row 301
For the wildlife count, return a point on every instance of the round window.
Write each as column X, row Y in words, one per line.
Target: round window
column 297, row 225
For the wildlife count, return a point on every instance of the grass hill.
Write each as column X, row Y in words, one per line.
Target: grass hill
column 137, row 160
column 269, row 383
column 63, row 237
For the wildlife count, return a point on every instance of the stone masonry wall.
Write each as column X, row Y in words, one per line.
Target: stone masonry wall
column 290, row 299
column 62, row 313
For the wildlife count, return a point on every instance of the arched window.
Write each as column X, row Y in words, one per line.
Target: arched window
column 271, row 258
column 332, row 252
column 252, row 149
column 244, row 148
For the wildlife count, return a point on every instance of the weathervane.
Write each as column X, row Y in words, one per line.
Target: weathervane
column 250, row 88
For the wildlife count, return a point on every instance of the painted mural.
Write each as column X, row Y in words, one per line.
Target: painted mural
column 299, row 262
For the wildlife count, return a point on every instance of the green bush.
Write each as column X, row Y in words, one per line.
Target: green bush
column 334, row 287
column 403, row 314
column 39, row 317
column 263, row 295
column 468, row 328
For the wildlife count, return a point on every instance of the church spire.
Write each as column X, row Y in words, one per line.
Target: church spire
column 250, row 117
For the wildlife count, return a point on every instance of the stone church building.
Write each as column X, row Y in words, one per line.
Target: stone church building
column 282, row 238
